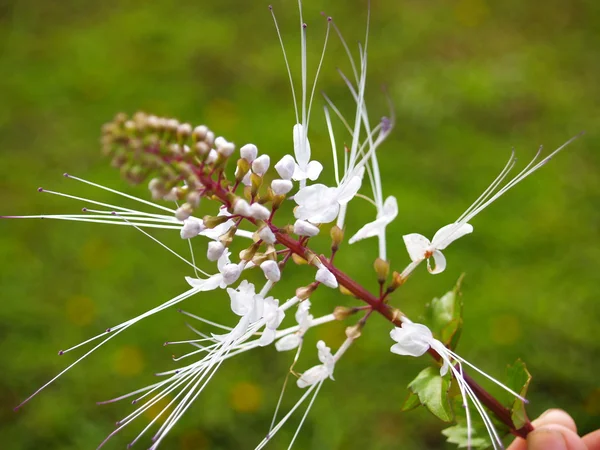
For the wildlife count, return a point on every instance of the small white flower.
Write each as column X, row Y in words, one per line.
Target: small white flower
column 215, row 250
column 326, row 277
column 420, row 248
column 259, row 212
column 267, row 235
column 285, row 167
column 192, row 227
column 183, row 212
column 320, row 372
column 261, row 164
column 231, row 272
column 242, row 208
column 321, row 204
column 289, row 342
column 304, row 228
column 271, row 270
column 305, row 168
column 281, row 187
column 212, row 156
column 384, row 218
column 224, row 147
column 414, row 339
column 304, row 319
column 273, row 316
column 249, row 152
column 247, row 181
column 245, row 301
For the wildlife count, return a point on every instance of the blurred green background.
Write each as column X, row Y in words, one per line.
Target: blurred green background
column 469, row 80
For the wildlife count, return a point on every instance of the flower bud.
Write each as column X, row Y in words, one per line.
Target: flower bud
column 212, row 156
column 304, row 228
column 241, row 207
column 271, row 270
column 353, row 332
column 212, row 221
column 344, row 291
column 248, row 253
column 255, row 183
column 261, row 164
column 231, row 272
column 281, row 187
column 337, row 236
column 193, row 198
column 183, row 132
column 382, row 268
column 397, row 281
column 199, row 133
column 172, row 125
column 202, row 148
column 259, row 212
column 325, row 276
column 184, row 212
column 249, row 152
column 266, row 235
column 224, row 147
column 285, row 167
column 299, row 259
column 241, row 172
column 209, row 138
column 192, row 227
column 215, row 250
column 289, row 342
column 306, row 291
column 343, row 312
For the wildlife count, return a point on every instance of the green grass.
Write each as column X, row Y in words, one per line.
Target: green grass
column 469, row 80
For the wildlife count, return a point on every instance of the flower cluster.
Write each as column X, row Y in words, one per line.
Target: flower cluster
column 245, row 188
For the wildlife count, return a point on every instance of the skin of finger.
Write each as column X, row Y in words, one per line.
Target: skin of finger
column 554, row 437
column 555, row 417
column 592, row 440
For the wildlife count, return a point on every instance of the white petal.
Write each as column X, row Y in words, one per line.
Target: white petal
column 231, row 272
column 416, row 245
column 390, row 209
column 348, row 190
column 192, row 227
column 313, row 170
column 281, row 187
column 311, row 194
column 215, row 250
column 261, row 164
column 207, row 284
column 322, row 214
column 326, row 277
column 440, row 263
column 448, row 234
column 285, row 167
column 313, row 376
column 271, row 270
column 242, row 208
column 267, row 337
column 267, row 235
column 301, row 145
column 259, row 212
column 289, row 342
column 304, row 228
column 249, row 152
column 369, row 230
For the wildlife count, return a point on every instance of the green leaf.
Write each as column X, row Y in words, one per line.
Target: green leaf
column 432, row 391
column 411, row 402
column 518, row 379
column 457, row 434
column 444, row 316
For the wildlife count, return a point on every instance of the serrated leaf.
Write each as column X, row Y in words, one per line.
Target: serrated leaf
column 518, row 379
column 411, row 402
column 458, row 434
column 432, row 390
column 444, row 316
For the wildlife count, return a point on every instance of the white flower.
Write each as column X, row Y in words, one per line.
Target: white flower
column 231, row 272
column 212, row 156
column 259, row 212
column 245, row 301
column 321, row 204
column 281, row 187
column 320, row 372
column 261, row 164
column 273, row 316
column 305, row 168
column 224, row 147
column 249, row 152
column 414, row 339
column 289, row 342
column 183, row 212
column 271, row 270
column 420, row 248
column 192, row 227
column 267, row 235
column 304, row 228
column 304, row 319
column 215, row 250
column 384, row 218
column 242, row 208
column 326, row 277
column 285, row 167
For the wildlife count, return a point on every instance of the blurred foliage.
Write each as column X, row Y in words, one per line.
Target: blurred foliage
column 469, row 79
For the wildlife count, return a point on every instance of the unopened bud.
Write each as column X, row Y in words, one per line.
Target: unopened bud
column 299, row 259
column 215, row 250
column 183, row 132
column 199, row 133
column 231, row 272
column 345, row 291
column 261, row 164
column 306, row 291
column 243, row 167
column 255, row 183
column 382, row 268
column 266, row 235
column 337, row 236
column 281, row 187
column 193, row 199
column 248, row 254
column 271, row 270
column 304, row 228
column 249, row 152
column 285, row 167
column 202, row 148
column 209, row 138
column 259, row 212
column 184, row 212
column 353, row 332
column 224, row 147
column 325, row 276
column 343, row 312
column 241, row 207
column 227, row 238
column 212, row 221
column 213, row 155
column 397, row 281
column 172, row 125
column 192, row 227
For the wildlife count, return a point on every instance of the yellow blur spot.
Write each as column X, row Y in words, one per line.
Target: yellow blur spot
column 592, row 403
column 154, row 411
column 505, row 329
column 194, row 440
column 471, row 13
column 224, row 112
column 95, row 254
column 80, row 310
column 245, row 397
column 334, row 334
column 128, row 361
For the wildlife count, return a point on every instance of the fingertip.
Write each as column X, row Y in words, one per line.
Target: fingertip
column 556, row 416
column 592, row 440
column 554, row 437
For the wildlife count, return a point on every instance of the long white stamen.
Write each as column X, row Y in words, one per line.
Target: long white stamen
column 336, row 169
column 312, row 94
column 312, row 400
